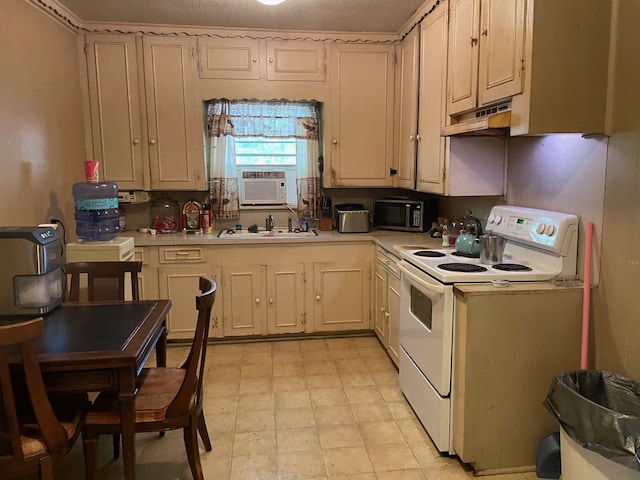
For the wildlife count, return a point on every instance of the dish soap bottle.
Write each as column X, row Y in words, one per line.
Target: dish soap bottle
column 96, row 206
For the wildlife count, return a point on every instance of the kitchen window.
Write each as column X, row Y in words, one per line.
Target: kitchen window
column 263, row 136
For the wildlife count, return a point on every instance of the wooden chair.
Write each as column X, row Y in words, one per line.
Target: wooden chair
column 34, row 430
column 101, row 277
column 167, row 399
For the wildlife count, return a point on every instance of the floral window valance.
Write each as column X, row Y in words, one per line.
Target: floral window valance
column 253, row 118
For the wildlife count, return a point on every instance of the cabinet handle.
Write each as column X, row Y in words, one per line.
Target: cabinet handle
column 271, row 300
column 257, row 300
column 484, row 32
column 474, row 41
column 152, row 141
column 136, row 141
column 382, row 309
column 411, row 138
column 318, row 298
column 182, row 254
column 418, row 138
column 386, row 315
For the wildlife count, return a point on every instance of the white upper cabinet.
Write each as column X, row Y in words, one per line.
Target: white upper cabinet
column 407, row 94
column 359, row 116
column 252, row 59
column 532, row 66
column 146, row 122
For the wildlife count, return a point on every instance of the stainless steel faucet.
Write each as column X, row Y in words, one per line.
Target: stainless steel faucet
column 270, row 223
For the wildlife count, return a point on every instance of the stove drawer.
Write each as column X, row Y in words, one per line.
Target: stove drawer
column 433, row 410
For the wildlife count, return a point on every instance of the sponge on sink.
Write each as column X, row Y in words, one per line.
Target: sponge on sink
column 253, row 228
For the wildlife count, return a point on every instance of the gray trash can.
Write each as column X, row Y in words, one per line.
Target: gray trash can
column 600, row 411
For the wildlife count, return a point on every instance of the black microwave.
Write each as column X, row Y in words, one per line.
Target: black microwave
column 404, row 214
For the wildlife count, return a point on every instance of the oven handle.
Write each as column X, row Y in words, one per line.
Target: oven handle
column 404, row 268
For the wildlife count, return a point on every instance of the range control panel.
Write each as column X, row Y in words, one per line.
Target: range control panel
column 540, row 228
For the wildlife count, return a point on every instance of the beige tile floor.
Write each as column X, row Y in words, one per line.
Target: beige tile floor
column 295, row 409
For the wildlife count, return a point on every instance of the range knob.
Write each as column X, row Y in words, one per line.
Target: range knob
column 550, row 230
column 540, row 228
column 498, row 219
column 491, row 218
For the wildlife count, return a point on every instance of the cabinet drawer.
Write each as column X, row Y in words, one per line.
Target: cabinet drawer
column 182, row 255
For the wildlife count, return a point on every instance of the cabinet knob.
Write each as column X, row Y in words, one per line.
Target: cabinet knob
column 152, row 141
column 418, row 138
column 257, row 300
column 271, row 60
column 382, row 309
column 254, row 59
column 318, row 298
column 411, row 138
column 334, row 141
column 136, row 141
column 386, row 315
column 271, row 300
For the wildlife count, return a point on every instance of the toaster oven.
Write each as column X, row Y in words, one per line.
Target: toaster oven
column 352, row 218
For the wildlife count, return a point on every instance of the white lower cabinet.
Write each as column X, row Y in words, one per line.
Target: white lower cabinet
column 285, row 296
column 341, row 296
column 267, row 290
column 180, row 284
column 386, row 317
column 244, row 300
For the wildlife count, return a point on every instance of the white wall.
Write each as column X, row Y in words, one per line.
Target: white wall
column 564, row 173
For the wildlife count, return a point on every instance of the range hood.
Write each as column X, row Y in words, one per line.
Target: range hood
column 495, row 120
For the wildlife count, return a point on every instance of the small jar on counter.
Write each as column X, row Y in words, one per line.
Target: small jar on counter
column 207, row 218
column 165, row 215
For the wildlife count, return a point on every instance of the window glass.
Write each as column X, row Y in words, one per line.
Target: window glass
column 266, row 151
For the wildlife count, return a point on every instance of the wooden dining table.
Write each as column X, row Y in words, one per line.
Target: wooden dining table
column 102, row 346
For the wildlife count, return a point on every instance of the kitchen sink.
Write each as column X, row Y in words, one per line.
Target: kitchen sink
column 262, row 233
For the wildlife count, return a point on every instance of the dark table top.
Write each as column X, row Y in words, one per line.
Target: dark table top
column 99, row 329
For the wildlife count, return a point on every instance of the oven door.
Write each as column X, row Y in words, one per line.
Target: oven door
column 426, row 325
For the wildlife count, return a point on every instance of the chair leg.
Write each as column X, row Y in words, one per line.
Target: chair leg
column 90, row 447
column 204, row 434
column 190, row 434
column 116, row 446
column 46, row 468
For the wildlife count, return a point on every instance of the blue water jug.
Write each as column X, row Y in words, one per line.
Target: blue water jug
column 96, row 207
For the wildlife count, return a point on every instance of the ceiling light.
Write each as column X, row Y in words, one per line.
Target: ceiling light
column 271, row 2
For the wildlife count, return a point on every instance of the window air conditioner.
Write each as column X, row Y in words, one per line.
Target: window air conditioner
column 264, row 187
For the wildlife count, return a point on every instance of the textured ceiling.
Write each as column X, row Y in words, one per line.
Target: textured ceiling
column 376, row 16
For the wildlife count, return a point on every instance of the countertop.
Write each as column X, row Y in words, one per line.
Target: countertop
column 385, row 238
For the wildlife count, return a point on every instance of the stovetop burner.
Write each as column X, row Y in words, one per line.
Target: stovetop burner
column 465, row 255
column 462, row 267
column 429, row 253
column 512, row 267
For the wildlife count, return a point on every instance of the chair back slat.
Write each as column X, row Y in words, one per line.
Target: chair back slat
column 105, row 280
column 194, row 365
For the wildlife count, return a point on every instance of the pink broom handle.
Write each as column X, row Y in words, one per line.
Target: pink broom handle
column 586, row 295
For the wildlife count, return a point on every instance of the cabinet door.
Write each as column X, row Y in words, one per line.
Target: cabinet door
column 285, row 293
column 463, row 55
column 114, row 102
column 341, row 296
column 408, row 110
column 300, row 61
column 147, row 279
column 380, row 304
column 230, row 58
column 180, row 283
column 244, row 305
column 359, row 123
column 501, row 49
column 175, row 115
column 393, row 312
column 432, row 112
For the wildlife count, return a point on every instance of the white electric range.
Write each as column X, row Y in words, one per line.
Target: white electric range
column 540, row 245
